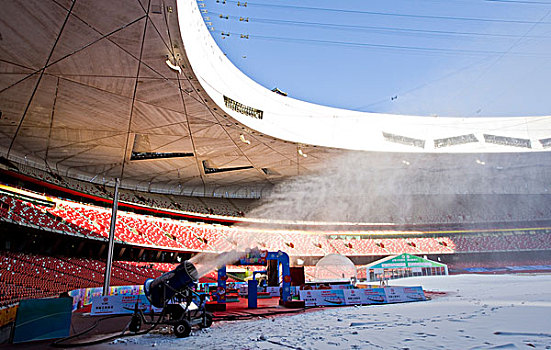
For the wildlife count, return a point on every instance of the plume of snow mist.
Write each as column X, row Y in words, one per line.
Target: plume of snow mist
column 242, row 242
column 401, row 188
column 206, row 263
column 345, row 191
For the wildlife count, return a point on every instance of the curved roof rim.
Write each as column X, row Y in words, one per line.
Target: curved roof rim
column 302, row 122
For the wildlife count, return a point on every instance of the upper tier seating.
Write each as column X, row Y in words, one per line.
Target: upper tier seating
column 144, row 230
column 435, row 209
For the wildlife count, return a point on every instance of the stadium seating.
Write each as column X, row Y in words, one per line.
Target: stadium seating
column 502, row 242
column 88, row 220
column 190, row 204
column 26, row 213
column 33, row 276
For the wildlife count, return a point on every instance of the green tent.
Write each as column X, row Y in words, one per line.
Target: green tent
column 404, row 265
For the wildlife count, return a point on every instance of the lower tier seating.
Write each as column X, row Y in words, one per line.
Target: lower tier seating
column 25, row 276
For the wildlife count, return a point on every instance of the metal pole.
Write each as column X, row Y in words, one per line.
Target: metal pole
column 107, row 279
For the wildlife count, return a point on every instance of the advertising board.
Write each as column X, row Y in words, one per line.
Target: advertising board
column 404, row 294
column 364, row 296
column 323, row 297
column 119, row 304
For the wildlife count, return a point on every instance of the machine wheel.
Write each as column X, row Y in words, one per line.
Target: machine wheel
column 182, row 329
column 208, row 321
column 135, row 324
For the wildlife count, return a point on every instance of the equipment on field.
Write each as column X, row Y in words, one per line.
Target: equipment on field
column 173, row 293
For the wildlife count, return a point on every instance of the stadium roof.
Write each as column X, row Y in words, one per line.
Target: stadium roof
column 99, row 89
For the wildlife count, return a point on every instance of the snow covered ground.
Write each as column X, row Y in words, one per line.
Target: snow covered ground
column 480, row 312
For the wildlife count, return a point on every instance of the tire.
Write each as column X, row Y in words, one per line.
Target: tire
column 135, row 324
column 207, row 322
column 182, row 329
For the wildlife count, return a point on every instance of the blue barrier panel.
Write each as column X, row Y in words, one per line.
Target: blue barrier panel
column 252, row 295
column 39, row 319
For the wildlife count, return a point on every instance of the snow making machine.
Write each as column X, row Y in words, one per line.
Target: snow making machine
column 180, row 306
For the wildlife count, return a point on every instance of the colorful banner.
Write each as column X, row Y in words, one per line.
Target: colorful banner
column 404, row 294
column 254, row 257
column 274, row 291
column 323, row 297
column 353, row 296
column 119, row 304
column 364, row 296
column 82, row 297
column 373, row 296
column 414, row 293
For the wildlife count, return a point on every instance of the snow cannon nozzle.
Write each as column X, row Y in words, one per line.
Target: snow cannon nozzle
column 164, row 287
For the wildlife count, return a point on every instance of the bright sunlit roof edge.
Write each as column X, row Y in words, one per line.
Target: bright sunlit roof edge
column 297, row 121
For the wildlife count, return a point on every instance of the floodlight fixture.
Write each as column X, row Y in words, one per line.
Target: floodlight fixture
column 244, row 140
column 173, row 66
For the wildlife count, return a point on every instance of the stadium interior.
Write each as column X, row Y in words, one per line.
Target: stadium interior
column 90, row 98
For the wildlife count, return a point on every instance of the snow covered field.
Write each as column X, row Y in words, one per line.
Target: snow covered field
column 477, row 306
